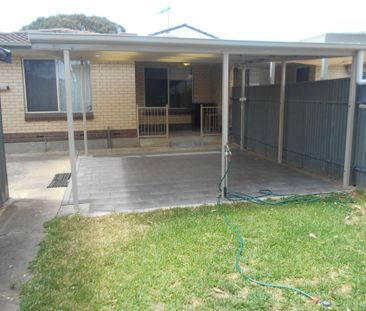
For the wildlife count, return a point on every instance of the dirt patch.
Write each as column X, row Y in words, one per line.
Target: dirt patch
column 233, row 276
column 358, row 214
column 278, row 294
column 159, row 307
column 220, row 294
column 346, row 289
column 175, row 284
column 195, row 303
column 244, row 292
column 333, row 275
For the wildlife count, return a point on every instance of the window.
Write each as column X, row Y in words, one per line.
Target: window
column 174, row 84
column 40, row 83
column 156, row 87
column 302, row 74
column 180, row 87
column 45, row 85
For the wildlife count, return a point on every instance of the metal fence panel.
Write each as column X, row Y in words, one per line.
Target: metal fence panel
column 359, row 160
column 315, row 125
column 261, row 119
column 316, row 120
column 4, row 192
column 236, row 111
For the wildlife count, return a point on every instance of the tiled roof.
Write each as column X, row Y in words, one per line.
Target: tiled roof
column 14, row 38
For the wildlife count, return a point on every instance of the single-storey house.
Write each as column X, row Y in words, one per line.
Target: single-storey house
column 114, row 83
column 121, row 89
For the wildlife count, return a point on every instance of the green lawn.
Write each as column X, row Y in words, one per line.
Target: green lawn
column 184, row 259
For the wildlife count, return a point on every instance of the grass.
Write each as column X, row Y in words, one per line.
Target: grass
column 183, row 259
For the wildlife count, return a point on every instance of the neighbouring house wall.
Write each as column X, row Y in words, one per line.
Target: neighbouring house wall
column 291, row 72
column 334, row 72
column 114, row 104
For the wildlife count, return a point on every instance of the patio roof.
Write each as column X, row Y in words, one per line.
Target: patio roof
column 239, row 53
column 140, row 48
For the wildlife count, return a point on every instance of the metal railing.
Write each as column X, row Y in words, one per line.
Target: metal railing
column 153, row 121
column 210, row 120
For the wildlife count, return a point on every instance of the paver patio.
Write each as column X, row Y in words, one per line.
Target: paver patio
column 144, row 182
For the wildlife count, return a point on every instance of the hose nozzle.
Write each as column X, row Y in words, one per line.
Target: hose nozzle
column 325, row 304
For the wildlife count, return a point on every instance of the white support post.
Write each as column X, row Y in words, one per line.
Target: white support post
column 359, row 70
column 272, row 72
column 242, row 107
column 167, row 120
column 350, row 124
column 83, row 104
column 70, row 129
column 281, row 117
column 225, row 118
column 324, row 69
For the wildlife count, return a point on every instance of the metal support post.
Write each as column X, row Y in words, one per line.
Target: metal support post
column 281, row 116
column 350, row 124
column 70, row 129
column 225, row 118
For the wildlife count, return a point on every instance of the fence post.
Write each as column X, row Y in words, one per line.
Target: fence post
column 201, row 119
column 138, row 121
column 167, row 120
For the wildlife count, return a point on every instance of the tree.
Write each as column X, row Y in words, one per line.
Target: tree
column 77, row 22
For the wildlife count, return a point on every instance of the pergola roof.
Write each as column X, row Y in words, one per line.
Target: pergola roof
column 140, row 48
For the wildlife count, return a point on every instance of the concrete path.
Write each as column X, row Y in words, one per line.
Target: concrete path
column 145, row 182
column 21, row 221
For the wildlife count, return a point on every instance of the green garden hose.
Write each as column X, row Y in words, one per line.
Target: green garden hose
column 259, row 199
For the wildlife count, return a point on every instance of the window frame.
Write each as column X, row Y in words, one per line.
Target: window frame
column 168, row 68
column 302, row 68
column 57, row 86
column 50, row 112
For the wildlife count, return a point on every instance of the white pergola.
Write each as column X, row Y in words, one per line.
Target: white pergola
column 238, row 53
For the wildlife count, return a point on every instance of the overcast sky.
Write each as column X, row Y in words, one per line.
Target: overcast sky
column 278, row 20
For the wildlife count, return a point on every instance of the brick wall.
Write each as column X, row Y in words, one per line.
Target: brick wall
column 140, row 85
column 114, row 100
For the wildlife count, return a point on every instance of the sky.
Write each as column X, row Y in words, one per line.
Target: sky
column 278, row 20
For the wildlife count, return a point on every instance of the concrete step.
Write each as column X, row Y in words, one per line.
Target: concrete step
column 182, row 141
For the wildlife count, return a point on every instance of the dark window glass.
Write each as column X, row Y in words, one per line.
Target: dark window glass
column 180, row 87
column 302, row 74
column 41, row 87
column 156, row 87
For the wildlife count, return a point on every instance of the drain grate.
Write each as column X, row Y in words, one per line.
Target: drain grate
column 60, row 180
